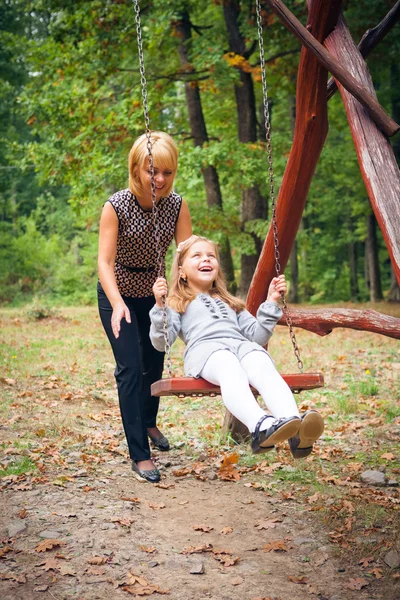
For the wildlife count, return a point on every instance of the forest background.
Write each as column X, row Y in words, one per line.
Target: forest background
column 71, row 106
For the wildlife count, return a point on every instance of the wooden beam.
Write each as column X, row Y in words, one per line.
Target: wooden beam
column 383, row 120
column 322, row 321
column 376, row 158
column 309, row 136
column 371, row 39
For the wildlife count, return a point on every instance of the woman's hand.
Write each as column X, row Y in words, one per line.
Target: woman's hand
column 120, row 311
column 276, row 287
column 160, row 289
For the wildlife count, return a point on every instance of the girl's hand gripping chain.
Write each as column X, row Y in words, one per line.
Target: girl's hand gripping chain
column 276, row 288
column 160, row 290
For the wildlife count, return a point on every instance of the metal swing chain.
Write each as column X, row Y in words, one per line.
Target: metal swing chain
column 154, row 208
column 267, row 119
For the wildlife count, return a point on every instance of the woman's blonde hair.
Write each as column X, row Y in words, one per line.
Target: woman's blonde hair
column 180, row 293
column 165, row 156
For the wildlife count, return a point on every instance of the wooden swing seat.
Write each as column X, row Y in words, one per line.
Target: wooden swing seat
column 190, row 386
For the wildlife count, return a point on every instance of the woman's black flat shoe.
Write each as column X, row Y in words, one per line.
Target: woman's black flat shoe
column 281, row 429
column 161, row 443
column 153, row 475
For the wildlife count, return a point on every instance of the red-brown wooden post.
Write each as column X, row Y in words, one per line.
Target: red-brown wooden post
column 310, row 132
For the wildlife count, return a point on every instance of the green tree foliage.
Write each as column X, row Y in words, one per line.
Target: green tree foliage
column 71, row 104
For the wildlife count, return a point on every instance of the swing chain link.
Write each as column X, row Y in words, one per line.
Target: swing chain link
column 154, row 209
column 271, row 178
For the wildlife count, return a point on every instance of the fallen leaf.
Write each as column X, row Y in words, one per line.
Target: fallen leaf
column 22, row 514
column 227, row 471
column 147, row 590
column 377, row 573
column 302, row 579
column 237, row 580
column 268, row 524
column 197, row 549
column 157, row 506
column 164, row 486
column 131, row 579
column 95, row 571
column 8, row 380
column 182, row 472
column 356, row 584
column 388, row 456
column 225, row 559
column 51, row 564
column 348, row 506
column 48, row 545
column 149, row 550
column 288, row 495
column 315, row 498
column 97, row 560
column 5, row 550
column 203, row 528
column 321, row 559
column 131, row 499
column 126, row 522
column 226, row 530
column 7, row 576
column 365, row 562
column 68, row 570
column 276, row 546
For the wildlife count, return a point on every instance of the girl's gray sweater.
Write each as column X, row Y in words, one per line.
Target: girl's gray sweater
column 209, row 324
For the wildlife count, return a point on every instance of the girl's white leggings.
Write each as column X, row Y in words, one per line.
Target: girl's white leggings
column 223, row 368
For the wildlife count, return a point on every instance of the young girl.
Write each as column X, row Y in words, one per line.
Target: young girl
column 224, row 345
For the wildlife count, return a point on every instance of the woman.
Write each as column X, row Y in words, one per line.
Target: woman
column 128, row 267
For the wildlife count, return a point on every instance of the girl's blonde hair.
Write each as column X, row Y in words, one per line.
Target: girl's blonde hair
column 165, row 156
column 180, row 293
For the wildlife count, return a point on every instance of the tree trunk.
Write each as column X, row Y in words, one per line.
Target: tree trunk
column 375, row 288
column 254, row 205
column 394, row 292
column 200, row 137
column 354, row 289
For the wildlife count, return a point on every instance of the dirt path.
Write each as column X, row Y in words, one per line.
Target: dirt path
column 126, row 528
column 75, row 523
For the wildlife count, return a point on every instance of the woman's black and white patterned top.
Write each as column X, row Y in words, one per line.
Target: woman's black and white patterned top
column 136, row 261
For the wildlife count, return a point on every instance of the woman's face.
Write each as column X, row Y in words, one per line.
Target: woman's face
column 163, row 179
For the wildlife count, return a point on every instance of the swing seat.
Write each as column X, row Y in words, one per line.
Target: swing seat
column 190, row 386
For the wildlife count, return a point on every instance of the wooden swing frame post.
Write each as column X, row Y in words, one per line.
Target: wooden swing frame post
column 377, row 162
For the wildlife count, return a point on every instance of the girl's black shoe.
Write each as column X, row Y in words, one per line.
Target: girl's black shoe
column 153, row 475
column 280, row 430
column 311, row 428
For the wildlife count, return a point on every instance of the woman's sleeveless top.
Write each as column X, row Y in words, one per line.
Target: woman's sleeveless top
column 136, row 262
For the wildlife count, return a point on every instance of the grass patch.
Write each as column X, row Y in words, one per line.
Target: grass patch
column 18, row 466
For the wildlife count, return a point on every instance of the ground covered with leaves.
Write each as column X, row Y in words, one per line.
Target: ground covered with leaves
column 222, row 524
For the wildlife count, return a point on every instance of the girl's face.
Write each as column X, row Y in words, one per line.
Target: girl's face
column 163, row 178
column 200, row 267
